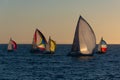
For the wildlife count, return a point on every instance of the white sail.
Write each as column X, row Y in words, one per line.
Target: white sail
column 10, row 46
column 48, row 46
column 84, row 40
column 102, row 44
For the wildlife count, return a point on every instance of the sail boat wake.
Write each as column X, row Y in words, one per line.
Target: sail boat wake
column 84, row 39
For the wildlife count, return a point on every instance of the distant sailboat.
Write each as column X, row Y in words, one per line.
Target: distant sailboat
column 11, row 45
column 39, row 42
column 51, row 46
column 102, row 46
column 84, row 39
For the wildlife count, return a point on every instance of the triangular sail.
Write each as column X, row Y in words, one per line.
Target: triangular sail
column 84, row 39
column 39, row 40
column 101, row 44
column 48, row 45
column 52, row 45
column 12, row 45
column 76, row 45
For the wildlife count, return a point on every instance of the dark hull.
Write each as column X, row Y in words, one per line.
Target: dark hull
column 78, row 54
column 48, row 52
column 100, row 52
column 10, row 50
column 36, row 51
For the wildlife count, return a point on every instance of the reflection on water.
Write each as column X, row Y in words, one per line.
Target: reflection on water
column 86, row 58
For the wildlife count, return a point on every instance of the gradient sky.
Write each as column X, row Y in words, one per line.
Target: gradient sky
column 58, row 19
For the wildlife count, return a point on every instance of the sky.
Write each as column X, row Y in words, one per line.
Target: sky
column 58, row 19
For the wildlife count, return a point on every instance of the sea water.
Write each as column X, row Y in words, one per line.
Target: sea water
column 23, row 65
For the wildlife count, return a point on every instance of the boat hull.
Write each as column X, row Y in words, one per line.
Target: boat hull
column 36, row 51
column 99, row 52
column 78, row 54
column 10, row 50
column 48, row 52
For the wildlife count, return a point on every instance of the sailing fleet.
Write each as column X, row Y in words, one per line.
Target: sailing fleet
column 84, row 42
column 40, row 44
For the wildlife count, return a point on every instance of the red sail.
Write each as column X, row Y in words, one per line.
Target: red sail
column 104, row 50
column 14, row 44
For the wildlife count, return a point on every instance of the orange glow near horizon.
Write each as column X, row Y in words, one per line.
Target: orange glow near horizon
column 58, row 19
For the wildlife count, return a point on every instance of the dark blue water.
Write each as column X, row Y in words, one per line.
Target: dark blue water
column 22, row 65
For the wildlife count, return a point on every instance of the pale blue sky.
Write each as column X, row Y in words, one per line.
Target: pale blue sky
column 58, row 19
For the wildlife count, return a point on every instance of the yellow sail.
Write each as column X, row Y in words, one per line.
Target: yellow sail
column 52, row 45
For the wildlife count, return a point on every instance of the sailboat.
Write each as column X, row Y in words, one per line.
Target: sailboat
column 84, row 39
column 39, row 42
column 51, row 46
column 11, row 45
column 102, row 46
